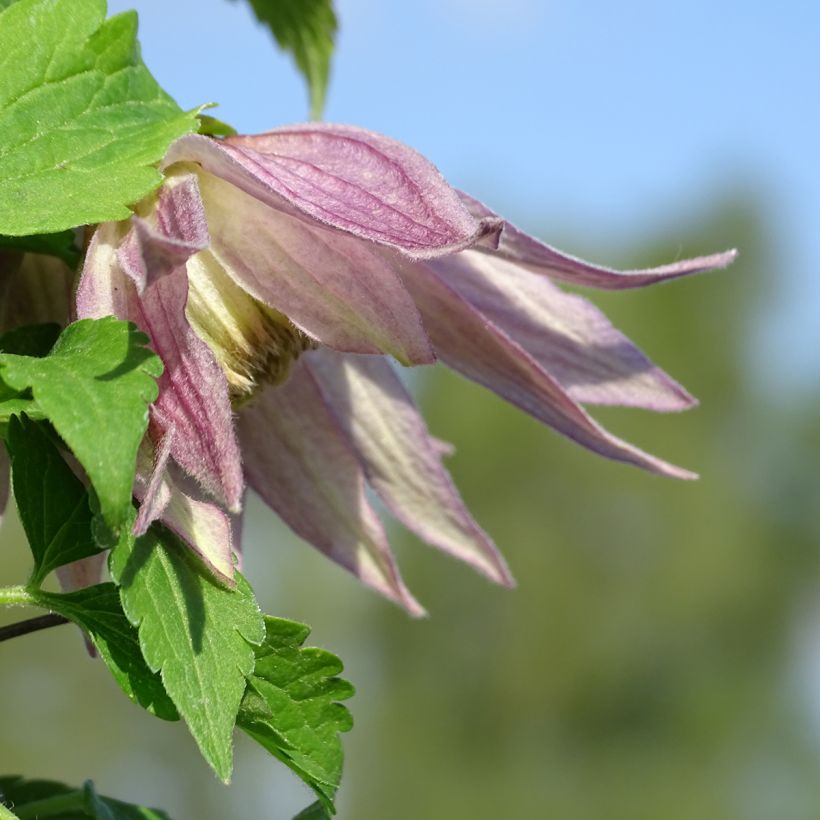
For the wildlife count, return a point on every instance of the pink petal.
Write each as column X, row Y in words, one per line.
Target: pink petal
column 300, row 462
column 519, row 247
column 203, row 526
column 569, row 337
column 400, row 459
column 193, row 398
column 334, row 287
column 468, row 342
column 348, row 179
column 153, row 251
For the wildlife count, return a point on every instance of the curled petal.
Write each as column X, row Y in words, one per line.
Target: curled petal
column 335, row 288
column 348, row 179
column 400, row 459
column 300, row 462
column 519, row 247
column 193, row 398
column 152, row 251
column 568, row 336
column 468, row 342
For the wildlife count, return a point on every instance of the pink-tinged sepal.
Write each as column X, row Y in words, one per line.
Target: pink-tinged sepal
column 347, row 179
column 469, row 343
column 523, row 249
column 565, row 334
column 165, row 496
column 169, row 236
column 193, row 398
column 299, row 460
column 401, row 461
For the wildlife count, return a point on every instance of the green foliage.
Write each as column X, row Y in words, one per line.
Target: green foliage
column 196, row 633
column 315, row 811
column 52, row 501
column 61, row 245
column 291, row 707
column 213, row 127
column 307, row 29
column 95, row 387
column 98, row 610
column 33, row 799
column 83, row 122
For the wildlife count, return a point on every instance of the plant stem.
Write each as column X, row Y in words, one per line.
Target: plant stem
column 16, row 596
column 28, row 626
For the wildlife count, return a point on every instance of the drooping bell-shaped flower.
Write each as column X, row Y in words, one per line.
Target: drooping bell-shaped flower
column 276, row 274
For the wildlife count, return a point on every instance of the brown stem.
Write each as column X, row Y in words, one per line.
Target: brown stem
column 30, row 625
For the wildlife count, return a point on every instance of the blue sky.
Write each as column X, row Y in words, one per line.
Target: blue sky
column 604, row 120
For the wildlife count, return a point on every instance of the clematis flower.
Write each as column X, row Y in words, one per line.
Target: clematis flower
column 277, row 274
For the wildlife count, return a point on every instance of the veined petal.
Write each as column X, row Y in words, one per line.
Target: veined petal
column 193, row 393
column 468, row 342
column 401, row 460
column 302, row 465
column 568, row 336
column 348, row 179
column 203, row 526
column 335, row 288
column 517, row 246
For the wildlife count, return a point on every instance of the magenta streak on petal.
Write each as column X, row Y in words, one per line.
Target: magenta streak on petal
column 400, row 459
column 347, row 179
column 568, row 337
column 335, row 288
column 300, row 462
column 468, row 342
column 523, row 249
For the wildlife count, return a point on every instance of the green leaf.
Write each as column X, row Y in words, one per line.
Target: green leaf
column 307, row 29
column 291, row 706
column 47, row 798
column 30, row 340
column 52, row 501
column 95, row 387
column 196, row 633
column 61, row 245
column 98, row 610
column 82, row 120
column 213, row 127
column 315, row 811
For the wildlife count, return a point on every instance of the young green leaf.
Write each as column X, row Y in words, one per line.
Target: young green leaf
column 82, row 121
column 95, row 387
column 98, row 610
column 53, row 502
column 47, row 798
column 291, row 706
column 307, row 29
column 197, row 634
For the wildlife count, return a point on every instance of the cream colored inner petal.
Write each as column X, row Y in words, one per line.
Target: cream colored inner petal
column 253, row 343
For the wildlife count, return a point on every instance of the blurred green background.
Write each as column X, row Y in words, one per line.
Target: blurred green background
column 661, row 655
